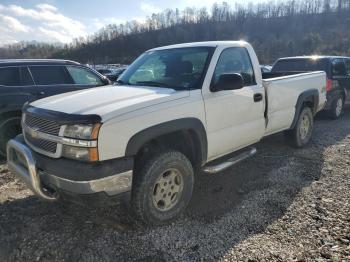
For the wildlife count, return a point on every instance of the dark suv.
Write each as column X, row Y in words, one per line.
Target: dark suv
column 338, row 76
column 29, row 80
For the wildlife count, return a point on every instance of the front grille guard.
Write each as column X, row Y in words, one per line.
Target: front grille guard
column 21, row 162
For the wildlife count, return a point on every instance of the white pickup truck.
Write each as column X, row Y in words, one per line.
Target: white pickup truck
column 176, row 111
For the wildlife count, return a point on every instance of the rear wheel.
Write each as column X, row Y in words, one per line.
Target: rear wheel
column 336, row 107
column 162, row 188
column 301, row 134
column 9, row 128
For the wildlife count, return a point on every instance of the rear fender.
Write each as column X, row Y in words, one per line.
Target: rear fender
column 311, row 96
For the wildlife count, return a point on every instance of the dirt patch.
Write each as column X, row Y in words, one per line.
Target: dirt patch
column 282, row 205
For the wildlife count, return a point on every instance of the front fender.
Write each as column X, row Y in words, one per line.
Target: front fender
column 188, row 124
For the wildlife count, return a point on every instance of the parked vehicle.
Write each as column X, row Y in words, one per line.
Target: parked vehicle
column 338, row 77
column 29, row 80
column 112, row 74
column 265, row 68
column 179, row 109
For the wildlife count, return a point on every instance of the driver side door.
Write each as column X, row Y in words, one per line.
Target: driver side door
column 235, row 118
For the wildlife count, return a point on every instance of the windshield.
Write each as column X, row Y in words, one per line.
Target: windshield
column 300, row 65
column 182, row 68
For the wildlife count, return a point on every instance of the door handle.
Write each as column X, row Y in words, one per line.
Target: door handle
column 40, row 93
column 258, row 97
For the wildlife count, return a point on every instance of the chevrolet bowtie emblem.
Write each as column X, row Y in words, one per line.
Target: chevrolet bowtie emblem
column 34, row 132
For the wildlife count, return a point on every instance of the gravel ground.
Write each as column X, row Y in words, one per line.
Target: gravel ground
column 282, row 205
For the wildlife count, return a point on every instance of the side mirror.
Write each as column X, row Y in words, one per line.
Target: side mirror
column 106, row 81
column 229, row 82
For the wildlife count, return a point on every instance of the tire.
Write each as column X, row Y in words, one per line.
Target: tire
column 162, row 188
column 337, row 108
column 301, row 134
column 9, row 128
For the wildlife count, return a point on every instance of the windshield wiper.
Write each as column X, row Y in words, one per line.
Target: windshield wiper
column 154, row 83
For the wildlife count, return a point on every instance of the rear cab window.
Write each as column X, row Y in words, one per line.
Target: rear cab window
column 51, row 75
column 347, row 66
column 301, row 65
column 338, row 68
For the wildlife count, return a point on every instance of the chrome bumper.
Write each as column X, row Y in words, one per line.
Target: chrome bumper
column 21, row 162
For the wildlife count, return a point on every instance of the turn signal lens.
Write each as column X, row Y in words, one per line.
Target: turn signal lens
column 80, row 153
column 95, row 130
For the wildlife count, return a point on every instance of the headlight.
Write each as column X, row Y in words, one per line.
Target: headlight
column 86, row 132
column 80, row 153
column 81, row 142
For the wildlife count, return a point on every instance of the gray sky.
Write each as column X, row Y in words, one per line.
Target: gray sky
column 63, row 20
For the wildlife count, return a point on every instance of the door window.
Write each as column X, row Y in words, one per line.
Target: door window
column 338, row 67
column 83, row 76
column 26, row 78
column 9, row 76
column 50, row 75
column 235, row 60
column 347, row 66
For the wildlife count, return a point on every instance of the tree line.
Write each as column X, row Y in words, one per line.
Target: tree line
column 275, row 29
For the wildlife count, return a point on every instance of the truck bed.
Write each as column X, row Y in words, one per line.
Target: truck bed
column 282, row 94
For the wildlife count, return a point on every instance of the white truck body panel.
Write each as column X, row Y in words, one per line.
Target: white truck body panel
column 116, row 133
column 231, row 118
column 282, row 94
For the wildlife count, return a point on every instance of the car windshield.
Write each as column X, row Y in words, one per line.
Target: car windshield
column 181, row 68
column 300, row 65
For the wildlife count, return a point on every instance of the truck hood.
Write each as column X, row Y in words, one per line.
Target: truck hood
column 109, row 101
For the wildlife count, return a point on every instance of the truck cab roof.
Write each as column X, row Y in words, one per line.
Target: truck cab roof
column 204, row 44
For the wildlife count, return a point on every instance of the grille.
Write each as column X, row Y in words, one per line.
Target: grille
column 42, row 125
column 42, row 144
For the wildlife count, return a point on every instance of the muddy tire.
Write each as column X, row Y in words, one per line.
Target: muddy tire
column 9, row 128
column 162, row 188
column 337, row 108
column 301, row 134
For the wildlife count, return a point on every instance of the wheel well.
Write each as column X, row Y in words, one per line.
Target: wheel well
column 344, row 94
column 184, row 141
column 310, row 102
column 10, row 114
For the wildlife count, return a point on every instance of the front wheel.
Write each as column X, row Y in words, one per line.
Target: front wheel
column 9, row 128
column 162, row 188
column 301, row 134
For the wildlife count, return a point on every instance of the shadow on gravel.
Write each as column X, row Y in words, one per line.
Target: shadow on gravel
column 226, row 208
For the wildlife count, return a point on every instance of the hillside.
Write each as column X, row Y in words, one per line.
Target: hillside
column 275, row 30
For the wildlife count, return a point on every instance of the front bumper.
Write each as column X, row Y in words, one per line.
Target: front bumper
column 51, row 183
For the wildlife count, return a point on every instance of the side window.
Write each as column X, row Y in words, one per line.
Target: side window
column 338, row 67
column 50, row 75
column 9, row 76
column 83, row 76
column 235, row 60
column 26, row 78
column 347, row 66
